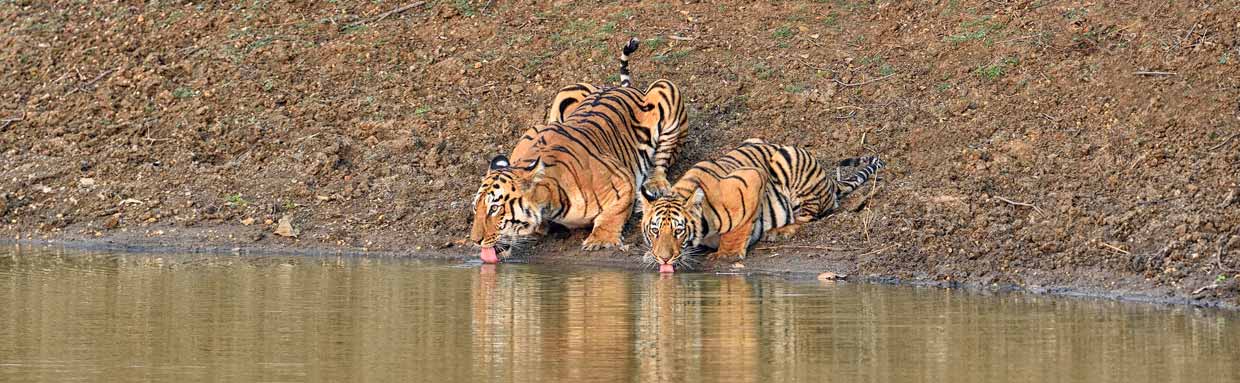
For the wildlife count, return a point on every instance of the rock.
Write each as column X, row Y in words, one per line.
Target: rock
column 285, row 227
column 112, row 222
column 86, row 182
column 830, row 276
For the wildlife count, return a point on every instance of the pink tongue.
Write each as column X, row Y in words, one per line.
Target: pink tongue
column 488, row 255
column 665, row 268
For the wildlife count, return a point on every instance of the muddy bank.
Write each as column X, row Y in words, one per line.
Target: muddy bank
column 1035, row 144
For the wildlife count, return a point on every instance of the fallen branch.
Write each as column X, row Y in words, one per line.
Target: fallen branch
column 385, row 15
column 1153, row 73
column 1035, row 208
column 1117, row 249
column 847, row 85
column 679, row 38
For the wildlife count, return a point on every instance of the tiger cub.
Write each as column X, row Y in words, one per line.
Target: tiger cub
column 729, row 203
column 583, row 167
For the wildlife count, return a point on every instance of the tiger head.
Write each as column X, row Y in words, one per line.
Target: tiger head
column 508, row 205
column 671, row 226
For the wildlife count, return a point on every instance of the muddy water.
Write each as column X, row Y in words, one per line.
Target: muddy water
column 111, row 317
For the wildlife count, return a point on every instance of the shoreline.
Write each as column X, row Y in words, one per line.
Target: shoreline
column 791, row 267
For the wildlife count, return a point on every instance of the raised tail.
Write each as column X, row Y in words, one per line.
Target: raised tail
column 629, row 48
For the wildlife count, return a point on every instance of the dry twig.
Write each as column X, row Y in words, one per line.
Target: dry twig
column 1153, row 73
column 1225, row 141
column 1035, row 208
column 91, row 82
column 847, row 85
column 866, row 218
column 1020, row 38
column 875, row 252
column 806, row 247
column 1222, row 247
column 11, row 120
column 1187, row 35
column 1117, row 249
column 679, row 38
column 385, row 15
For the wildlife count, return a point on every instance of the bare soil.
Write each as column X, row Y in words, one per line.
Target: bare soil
column 1044, row 145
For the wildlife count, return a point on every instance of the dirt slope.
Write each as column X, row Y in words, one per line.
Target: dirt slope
column 1034, row 143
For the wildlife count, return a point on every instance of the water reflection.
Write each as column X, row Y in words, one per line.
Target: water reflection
column 197, row 318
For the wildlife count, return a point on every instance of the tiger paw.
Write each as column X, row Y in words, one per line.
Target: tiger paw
column 658, row 181
column 592, row 244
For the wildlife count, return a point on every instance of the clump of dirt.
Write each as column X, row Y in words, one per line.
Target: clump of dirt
column 1037, row 144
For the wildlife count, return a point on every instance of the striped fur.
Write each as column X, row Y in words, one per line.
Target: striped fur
column 584, row 165
column 716, row 203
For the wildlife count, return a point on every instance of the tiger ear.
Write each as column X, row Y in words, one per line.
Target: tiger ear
column 499, row 162
column 537, row 170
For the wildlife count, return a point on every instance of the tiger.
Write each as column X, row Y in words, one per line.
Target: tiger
column 755, row 191
column 582, row 166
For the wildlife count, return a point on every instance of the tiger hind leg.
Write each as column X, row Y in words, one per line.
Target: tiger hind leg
column 567, row 99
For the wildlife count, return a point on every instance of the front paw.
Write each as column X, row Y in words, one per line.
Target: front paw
column 658, row 181
column 592, row 244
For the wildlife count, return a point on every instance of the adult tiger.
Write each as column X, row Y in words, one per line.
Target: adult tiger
column 583, row 166
column 729, row 203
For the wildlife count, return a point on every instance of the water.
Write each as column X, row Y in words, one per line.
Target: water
column 101, row 317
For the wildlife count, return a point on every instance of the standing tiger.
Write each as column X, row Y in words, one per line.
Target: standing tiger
column 758, row 189
column 583, row 167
